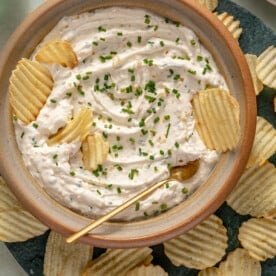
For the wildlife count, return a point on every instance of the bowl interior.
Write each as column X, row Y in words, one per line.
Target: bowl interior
column 205, row 200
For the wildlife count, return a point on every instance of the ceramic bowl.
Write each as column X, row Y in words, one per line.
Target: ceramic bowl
column 204, row 201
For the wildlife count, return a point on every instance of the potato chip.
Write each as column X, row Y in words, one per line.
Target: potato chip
column 266, row 67
column 209, row 236
column 78, row 128
column 239, row 262
column 17, row 225
column 7, row 198
column 150, row 270
column 217, row 115
column 62, row 258
column 231, row 24
column 210, row 271
column 30, row 85
column 117, row 261
column 252, row 61
column 209, row 4
column 60, row 52
column 255, row 192
column 258, row 236
column 95, row 150
column 264, row 144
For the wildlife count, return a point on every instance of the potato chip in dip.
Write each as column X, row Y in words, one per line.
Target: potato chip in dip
column 137, row 72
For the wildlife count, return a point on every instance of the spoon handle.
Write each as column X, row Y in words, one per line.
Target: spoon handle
column 114, row 212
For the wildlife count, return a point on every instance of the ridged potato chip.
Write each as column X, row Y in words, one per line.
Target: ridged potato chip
column 258, row 236
column 78, row 128
column 30, row 85
column 62, row 258
column 264, row 144
column 231, row 24
column 16, row 224
column 255, row 192
column 7, row 198
column 266, row 67
column 210, row 271
column 209, row 236
column 239, row 262
column 60, row 52
column 94, row 149
column 117, row 261
column 209, row 4
column 252, row 61
column 149, row 270
column 217, row 115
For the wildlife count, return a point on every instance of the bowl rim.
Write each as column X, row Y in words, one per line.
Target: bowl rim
column 164, row 234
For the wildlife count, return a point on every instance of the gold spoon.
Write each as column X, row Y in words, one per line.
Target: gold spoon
column 178, row 173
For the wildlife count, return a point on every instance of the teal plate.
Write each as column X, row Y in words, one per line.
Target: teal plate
column 256, row 38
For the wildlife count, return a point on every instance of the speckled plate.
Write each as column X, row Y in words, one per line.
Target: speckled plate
column 255, row 38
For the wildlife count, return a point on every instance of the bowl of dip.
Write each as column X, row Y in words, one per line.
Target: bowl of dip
column 139, row 65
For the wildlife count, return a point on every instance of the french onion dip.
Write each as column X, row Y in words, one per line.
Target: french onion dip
column 138, row 72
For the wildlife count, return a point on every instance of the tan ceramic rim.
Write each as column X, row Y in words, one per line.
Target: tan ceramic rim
column 181, row 218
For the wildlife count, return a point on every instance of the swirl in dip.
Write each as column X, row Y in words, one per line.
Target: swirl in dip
column 138, row 73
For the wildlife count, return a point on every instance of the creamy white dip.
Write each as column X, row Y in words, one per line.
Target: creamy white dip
column 138, row 73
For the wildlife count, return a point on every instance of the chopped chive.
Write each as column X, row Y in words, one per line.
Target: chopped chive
column 193, row 42
column 176, row 144
column 171, row 72
column 35, row 125
column 55, row 156
column 139, row 39
column 193, row 72
column 130, row 70
column 101, row 29
column 132, row 173
column 142, row 122
column 199, row 58
column 144, row 131
column 105, row 135
column 132, row 140
column 185, row 190
column 167, row 117
column 119, row 34
column 129, row 44
column 53, row 100
column 156, row 120
column 176, row 77
column 151, row 143
column 72, row 173
column 95, row 43
column 119, row 190
column 164, row 206
column 162, row 44
column 137, row 206
column 168, row 130
column 147, row 19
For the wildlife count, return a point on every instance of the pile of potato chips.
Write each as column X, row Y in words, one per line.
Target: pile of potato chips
column 202, row 248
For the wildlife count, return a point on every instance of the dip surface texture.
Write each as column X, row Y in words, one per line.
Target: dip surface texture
column 138, row 73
